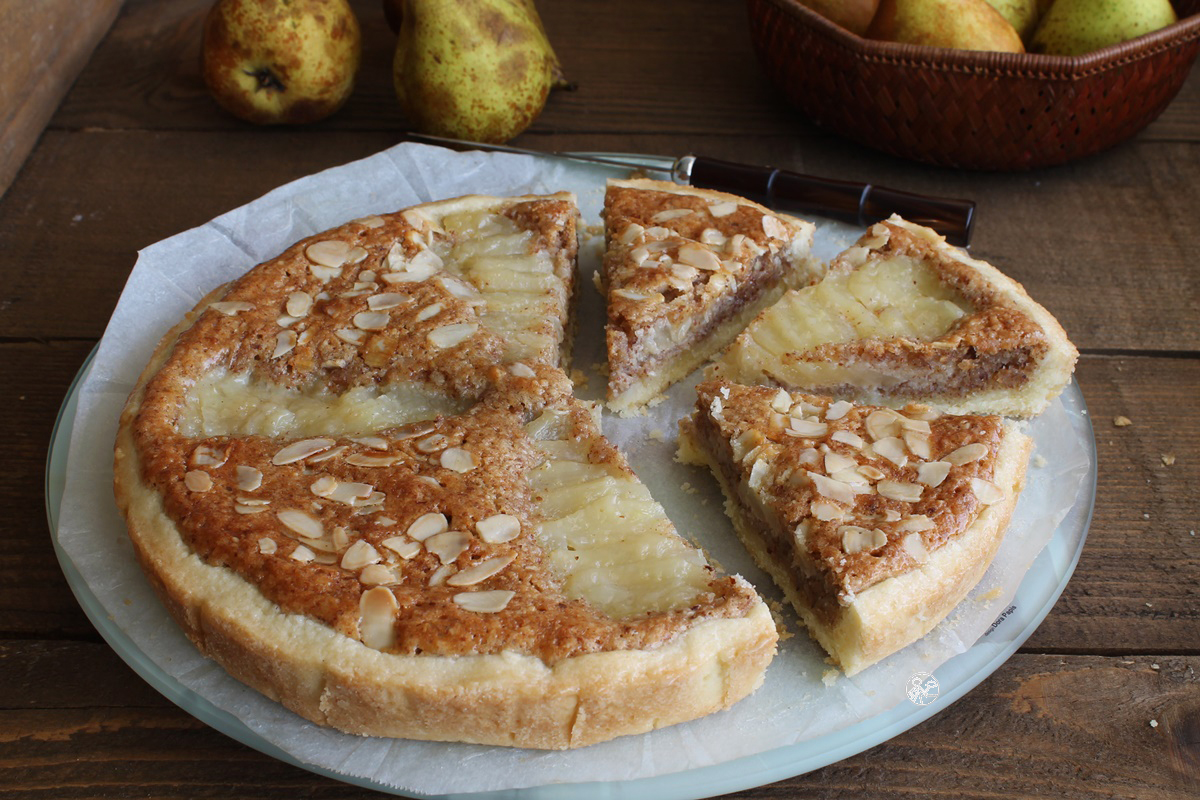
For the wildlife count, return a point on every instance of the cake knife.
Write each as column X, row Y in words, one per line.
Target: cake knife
column 848, row 201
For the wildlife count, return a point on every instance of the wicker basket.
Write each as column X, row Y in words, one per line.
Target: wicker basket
column 958, row 108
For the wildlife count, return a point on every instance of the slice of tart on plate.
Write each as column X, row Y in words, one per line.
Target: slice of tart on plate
column 684, row 270
column 875, row 522
column 359, row 482
column 903, row 316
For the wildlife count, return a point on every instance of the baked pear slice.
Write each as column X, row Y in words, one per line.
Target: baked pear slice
column 903, row 316
column 684, row 270
column 874, row 522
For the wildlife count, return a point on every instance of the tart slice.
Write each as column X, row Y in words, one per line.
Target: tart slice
column 351, row 493
column 874, row 522
column 684, row 270
column 903, row 316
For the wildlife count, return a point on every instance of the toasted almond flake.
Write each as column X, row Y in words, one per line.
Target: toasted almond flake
column 870, row 472
column 836, row 462
column 838, row 410
column 966, row 454
column 851, row 476
column 329, row 252
column 847, row 437
column 883, row 424
column 806, row 428
column 429, row 312
column 522, row 370
column 669, row 214
column 301, row 522
column 700, row 257
column 915, row 523
column 632, row 231
column 341, row 538
column 387, row 300
column 303, row 554
column 480, row 572
column 298, row 451
column 932, row 473
column 359, row 555
column 459, row 288
column 774, row 227
column 377, row 609
column 242, row 508
column 827, row 511
column 249, row 479
column 856, row 539
column 207, row 456
column 484, row 602
column 900, row 490
column 324, row 486
column 440, row 574
column 432, row 443
column 328, row 454
column 371, row 221
column 371, row 320
column 451, row 335
column 1168, row 459
column 498, row 528
column 267, row 546
column 630, row 294
column 373, row 442
column 405, row 548
column 324, row 274
column 355, row 494
column 428, row 525
column 891, row 515
column 722, row 209
column 781, row 402
column 231, row 308
column 1122, row 421
column 372, row 499
column 986, row 491
column 378, row 575
column 458, row 459
column 833, row 489
column 285, row 342
column 918, row 444
column 253, row 501
column 298, row 304
column 712, row 237
column 892, row 449
column 197, row 480
column 448, row 545
column 657, row 232
column 639, row 255
column 361, row 460
column 914, row 545
column 384, row 521
column 305, row 337
column 350, row 336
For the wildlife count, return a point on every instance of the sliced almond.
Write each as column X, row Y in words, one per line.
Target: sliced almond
column 359, row 555
column 197, row 480
column 377, row 610
column 520, row 370
column 900, row 490
column 323, row 486
column 450, row 335
column 883, row 424
column 206, row 456
column 915, row 523
column 440, row 574
column 332, row 252
column 355, row 494
column 298, row 451
column 267, row 546
column 774, row 227
column 837, row 410
column 966, row 454
column 428, row 525
column 932, row 473
column 458, row 459
column 379, row 575
column 303, row 554
column 630, row 234
column 847, row 437
column 401, row 546
column 484, row 602
column 498, row 528
column 432, row 443
column 807, row 429
column 362, row 460
column 244, row 508
column 856, row 539
column 373, row 442
column 671, row 213
column 987, row 492
column 351, row 335
column 699, row 256
column 285, row 342
column 480, row 572
column 341, row 538
column 827, row 511
column 328, row 454
column 448, row 545
column 371, row 320
column 914, row 545
column 722, row 209
column 301, row 522
column 870, row 472
column 833, row 489
column 429, row 312
column 781, row 402
column 298, row 304
column 893, row 449
column 249, row 479
column 836, row 462
column 386, row 301
column 231, row 308
column 918, row 444
column 712, row 237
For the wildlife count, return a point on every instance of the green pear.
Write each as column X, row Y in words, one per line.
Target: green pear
column 1075, row 27
column 959, row 24
column 473, row 69
column 1021, row 14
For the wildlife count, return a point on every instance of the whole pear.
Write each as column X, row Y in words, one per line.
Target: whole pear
column 1075, row 27
column 853, row 15
column 473, row 69
column 959, row 24
column 1021, row 14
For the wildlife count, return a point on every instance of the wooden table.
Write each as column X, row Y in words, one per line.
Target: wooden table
column 1102, row 701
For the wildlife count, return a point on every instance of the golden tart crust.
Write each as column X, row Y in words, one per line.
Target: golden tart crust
column 874, row 522
column 684, row 270
column 388, row 575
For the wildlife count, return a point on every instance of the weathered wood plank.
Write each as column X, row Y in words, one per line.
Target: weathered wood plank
column 72, row 733
column 43, row 46
column 1122, row 281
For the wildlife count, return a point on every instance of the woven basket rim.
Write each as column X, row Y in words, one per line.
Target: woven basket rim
column 1026, row 65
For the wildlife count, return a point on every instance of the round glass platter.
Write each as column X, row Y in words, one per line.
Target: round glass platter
column 1038, row 590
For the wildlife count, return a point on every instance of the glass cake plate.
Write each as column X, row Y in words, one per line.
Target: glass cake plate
column 1039, row 587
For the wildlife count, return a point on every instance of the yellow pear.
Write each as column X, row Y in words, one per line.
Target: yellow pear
column 959, row 24
column 853, row 15
column 1075, row 27
column 1021, row 14
column 477, row 70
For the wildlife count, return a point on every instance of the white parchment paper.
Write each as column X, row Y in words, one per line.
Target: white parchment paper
column 802, row 699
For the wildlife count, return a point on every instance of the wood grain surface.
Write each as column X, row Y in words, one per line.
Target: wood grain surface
column 1103, row 701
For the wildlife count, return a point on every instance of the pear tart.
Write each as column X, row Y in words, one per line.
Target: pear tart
column 902, row 316
column 874, row 522
column 684, row 270
column 359, row 481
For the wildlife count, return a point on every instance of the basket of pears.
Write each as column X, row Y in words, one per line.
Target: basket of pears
column 979, row 84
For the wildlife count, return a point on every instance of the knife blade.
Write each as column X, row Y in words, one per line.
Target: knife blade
column 849, row 201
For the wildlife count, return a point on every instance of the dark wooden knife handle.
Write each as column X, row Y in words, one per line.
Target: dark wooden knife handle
column 849, row 201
